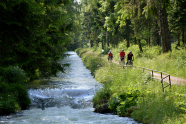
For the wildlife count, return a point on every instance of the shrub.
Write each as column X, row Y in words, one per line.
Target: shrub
column 13, row 74
column 120, row 103
column 13, row 93
column 21, row 95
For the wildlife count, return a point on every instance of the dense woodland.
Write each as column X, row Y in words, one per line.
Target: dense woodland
column 158, row 22
column 34, row 34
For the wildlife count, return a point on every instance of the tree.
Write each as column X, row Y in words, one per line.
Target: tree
column 164, row 28
column 177, row 19
column 33, row 35
column 159, row 8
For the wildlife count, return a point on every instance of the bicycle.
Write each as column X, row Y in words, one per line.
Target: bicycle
column 129, row 62
column 122, row 61
column 110, row 58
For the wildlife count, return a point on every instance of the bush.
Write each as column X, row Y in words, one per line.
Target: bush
column 13, row 74
column 21, row 95
column 120, row 103
column 13, row 93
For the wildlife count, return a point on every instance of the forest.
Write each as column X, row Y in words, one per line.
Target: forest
column 34, row 34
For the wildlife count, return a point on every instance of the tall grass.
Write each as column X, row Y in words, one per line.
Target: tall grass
column 131, row 92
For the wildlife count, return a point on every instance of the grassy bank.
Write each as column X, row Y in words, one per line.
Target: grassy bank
column 130, row 92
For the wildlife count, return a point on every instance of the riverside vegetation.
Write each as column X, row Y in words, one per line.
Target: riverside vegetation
column 34, row 36
column 13, row 92
column 131, row 92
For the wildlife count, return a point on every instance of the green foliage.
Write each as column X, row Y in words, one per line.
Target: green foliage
column 131, row 92
column 13, row 93
column 102, row 96
column 21, row 95
column 93, row 62
column 34, row 35
column 13, row 97
column 121, row 102
column 81, row 51
column 13, row 75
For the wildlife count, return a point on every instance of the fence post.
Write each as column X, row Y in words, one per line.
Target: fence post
column 161, row 75
column 169, row 81
column 152, row 73
column 162, row 84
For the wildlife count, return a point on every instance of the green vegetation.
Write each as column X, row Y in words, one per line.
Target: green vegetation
column 13, row 92
column 153, row 22
column 131, row 92
column 34, row 36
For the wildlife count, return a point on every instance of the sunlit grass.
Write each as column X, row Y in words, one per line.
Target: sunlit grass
column 152, row 104
column 173, row 63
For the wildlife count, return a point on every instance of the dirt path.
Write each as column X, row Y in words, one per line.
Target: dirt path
column 174, row 80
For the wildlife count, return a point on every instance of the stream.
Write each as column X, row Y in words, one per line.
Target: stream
column 65, row 99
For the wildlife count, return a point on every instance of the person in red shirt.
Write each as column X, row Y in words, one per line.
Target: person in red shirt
column 110, row 55
column 122, row 56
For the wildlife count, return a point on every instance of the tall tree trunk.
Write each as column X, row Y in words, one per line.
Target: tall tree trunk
column 107, row 39
column 102, row 45
column 183, row 38
column 91, row 43
column 149, row 36
column 157, row 33
column 139, row 44
column 164, row 28
column 128, row 32
column 178, row 38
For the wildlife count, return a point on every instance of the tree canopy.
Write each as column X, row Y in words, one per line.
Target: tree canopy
column 117, row 21
column 34, row 34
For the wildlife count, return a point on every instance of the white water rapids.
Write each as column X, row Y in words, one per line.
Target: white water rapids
column 65, row 99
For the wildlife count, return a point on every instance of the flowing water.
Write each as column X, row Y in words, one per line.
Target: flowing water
column 65, row 99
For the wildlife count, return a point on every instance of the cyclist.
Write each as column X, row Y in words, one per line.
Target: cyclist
column 130, row 57
column 110, row 55
column 102, row 52
column 122, row 56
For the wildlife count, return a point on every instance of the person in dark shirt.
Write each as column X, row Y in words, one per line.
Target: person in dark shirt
column 130, row 57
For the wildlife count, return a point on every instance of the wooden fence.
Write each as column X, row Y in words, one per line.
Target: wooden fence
column 161, row 79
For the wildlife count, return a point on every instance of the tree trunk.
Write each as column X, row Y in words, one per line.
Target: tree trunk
column 183, row 38
column 107, row 39
column 164, row 29
column 178, row 38
column 157, row 33
column 149, row 36
column 128, row 32
column 102, row 45
column 139, row 44
column 91, row 43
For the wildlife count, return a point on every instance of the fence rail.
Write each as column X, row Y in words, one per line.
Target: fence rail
column 161, row 79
